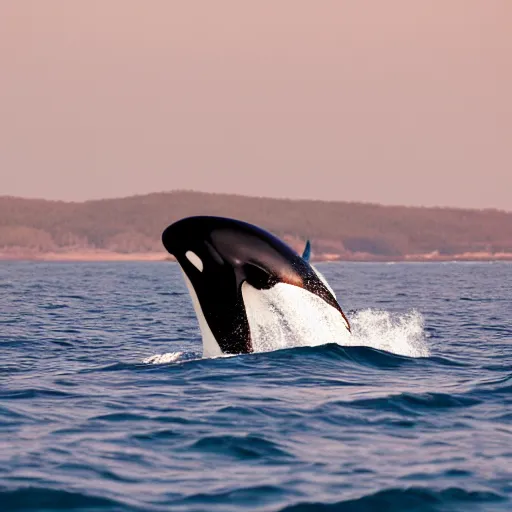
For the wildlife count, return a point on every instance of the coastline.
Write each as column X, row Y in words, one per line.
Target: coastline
column 111, row 256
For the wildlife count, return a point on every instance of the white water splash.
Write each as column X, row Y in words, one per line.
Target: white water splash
column 402, row 334
column 168, row 357
column 287, row 316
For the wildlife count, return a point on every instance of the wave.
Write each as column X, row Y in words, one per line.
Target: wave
column 240, row 447
column 39, row 498
column 412, row 499
column 415, row 403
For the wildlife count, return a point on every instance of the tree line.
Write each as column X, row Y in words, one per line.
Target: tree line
column 135, row 224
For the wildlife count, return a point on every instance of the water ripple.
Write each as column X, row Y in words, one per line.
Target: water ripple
column 414, row 417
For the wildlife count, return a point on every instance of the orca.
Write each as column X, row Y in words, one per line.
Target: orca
column 252, row 292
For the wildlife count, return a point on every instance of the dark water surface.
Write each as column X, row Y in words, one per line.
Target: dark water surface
column 86, row 425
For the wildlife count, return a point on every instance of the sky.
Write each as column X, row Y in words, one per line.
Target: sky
column 394, row 102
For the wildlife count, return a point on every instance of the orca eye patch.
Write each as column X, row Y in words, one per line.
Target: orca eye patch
column 195, row 260
column 258, row 277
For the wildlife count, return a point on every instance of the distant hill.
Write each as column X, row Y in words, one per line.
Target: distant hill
column 31, row 228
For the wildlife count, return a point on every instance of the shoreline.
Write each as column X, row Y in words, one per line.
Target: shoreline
column 108, row 256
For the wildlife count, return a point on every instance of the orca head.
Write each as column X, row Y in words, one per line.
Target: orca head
column 218, row 256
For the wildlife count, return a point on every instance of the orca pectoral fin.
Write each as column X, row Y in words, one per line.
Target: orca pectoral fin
column 306, row 255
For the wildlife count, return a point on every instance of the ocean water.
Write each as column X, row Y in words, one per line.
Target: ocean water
column 107, row 405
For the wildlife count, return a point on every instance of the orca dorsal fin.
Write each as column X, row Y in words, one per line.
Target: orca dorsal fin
column 306, row 255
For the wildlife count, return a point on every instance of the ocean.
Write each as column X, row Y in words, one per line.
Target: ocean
column 106, row 403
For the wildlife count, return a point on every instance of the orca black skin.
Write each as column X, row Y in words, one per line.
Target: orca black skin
column 219, row 254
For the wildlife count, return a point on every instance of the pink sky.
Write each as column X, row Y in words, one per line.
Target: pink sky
column 395, row 102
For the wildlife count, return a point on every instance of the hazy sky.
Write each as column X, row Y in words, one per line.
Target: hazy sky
column 405, row 102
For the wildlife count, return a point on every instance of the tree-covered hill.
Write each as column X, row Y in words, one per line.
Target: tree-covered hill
column 351, row 230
